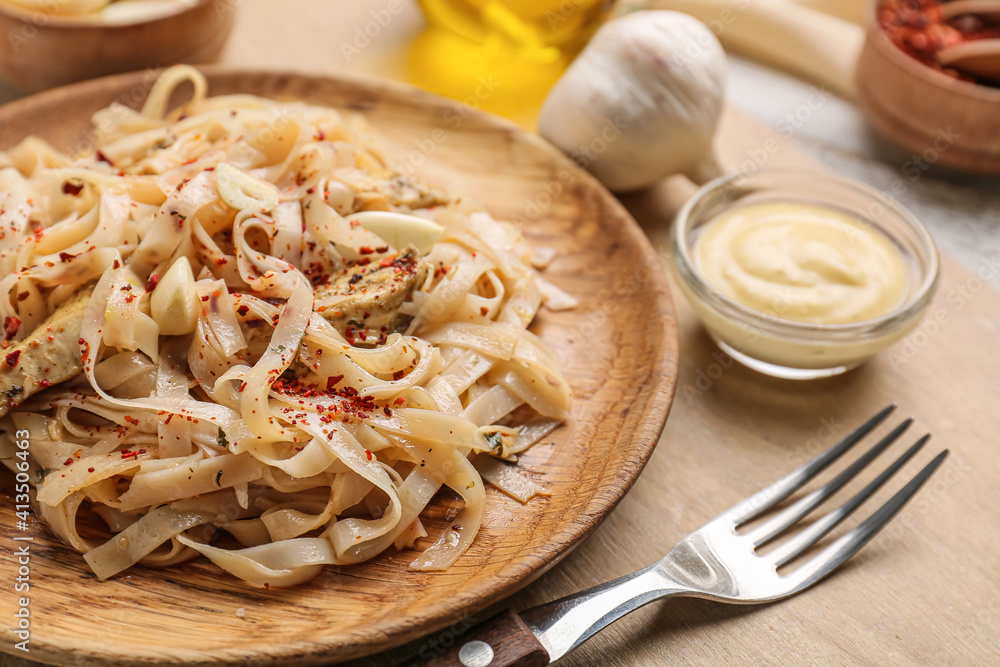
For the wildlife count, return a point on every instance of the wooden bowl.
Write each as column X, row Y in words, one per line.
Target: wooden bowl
column 617, row 349
column 40, row 51
column 937, row 118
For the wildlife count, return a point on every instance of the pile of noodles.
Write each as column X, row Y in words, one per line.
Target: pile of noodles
column 188, row 444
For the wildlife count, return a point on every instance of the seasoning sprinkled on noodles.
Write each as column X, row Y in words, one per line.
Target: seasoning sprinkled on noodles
column 234, row 332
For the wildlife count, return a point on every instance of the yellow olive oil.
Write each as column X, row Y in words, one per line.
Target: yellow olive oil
column 501, row 55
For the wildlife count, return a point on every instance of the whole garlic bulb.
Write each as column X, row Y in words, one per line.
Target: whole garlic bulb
column 642, row 101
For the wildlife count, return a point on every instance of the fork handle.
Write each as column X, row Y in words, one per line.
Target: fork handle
column 505, row 637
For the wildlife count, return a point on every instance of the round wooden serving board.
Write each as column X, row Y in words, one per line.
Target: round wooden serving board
column 618, row 351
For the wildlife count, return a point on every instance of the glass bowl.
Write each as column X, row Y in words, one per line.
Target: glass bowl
column 785, row 348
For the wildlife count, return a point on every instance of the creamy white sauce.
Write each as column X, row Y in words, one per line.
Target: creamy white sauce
column 802, row 262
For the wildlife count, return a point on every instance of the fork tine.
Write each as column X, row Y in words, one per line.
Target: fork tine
column 814, row 533
column 848, row 545
column 776, row 525
column 767, row 498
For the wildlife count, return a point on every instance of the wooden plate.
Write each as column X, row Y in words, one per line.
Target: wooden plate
column 618, row 351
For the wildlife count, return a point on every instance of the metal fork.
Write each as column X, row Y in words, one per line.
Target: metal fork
column 715, row 562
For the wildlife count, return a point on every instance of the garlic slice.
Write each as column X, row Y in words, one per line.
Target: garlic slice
column 244, row 192
column 174, row 304
column 399, row 229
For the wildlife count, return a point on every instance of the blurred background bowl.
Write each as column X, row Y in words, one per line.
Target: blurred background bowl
column 932, row 115
column 39, row 51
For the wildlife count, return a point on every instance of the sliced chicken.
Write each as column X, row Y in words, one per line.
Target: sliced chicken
column 48, row 356
column 398, row 193
column 365, row 300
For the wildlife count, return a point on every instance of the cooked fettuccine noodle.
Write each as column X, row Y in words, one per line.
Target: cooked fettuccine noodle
column 232, row 331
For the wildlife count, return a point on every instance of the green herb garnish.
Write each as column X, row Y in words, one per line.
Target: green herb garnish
column 495, row 439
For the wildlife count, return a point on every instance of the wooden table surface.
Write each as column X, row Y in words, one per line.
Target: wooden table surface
column 927, row 591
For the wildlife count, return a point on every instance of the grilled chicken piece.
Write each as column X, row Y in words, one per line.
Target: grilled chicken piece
column 50, row 355
column 367, row 298
column 397, row 193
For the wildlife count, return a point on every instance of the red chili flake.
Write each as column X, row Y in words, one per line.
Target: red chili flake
column 101, row 157
column 68, row 461
column 382, row 248
column 243, row 310
column 267, row 585
column 116, row 265
column 152, row 282
column 366, row 250
column 333, row 381
column 81, row 341
column 131, row 420
column 355, row 223
column 129, row 298
column 21, row 296
column 484, row 311
column 65, row 256
column 72, row 188
column 398, row 375
column 387, row 411
column 90, row 470
column 311, row 190
column 204, row 298
column 44, row 384
column 12, row 358
column 368, row 454
column 320, row 135
column 400, row 400
column 221, row 261
column 10, row 326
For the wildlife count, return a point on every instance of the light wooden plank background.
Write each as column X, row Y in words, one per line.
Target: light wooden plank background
column 928, row 590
